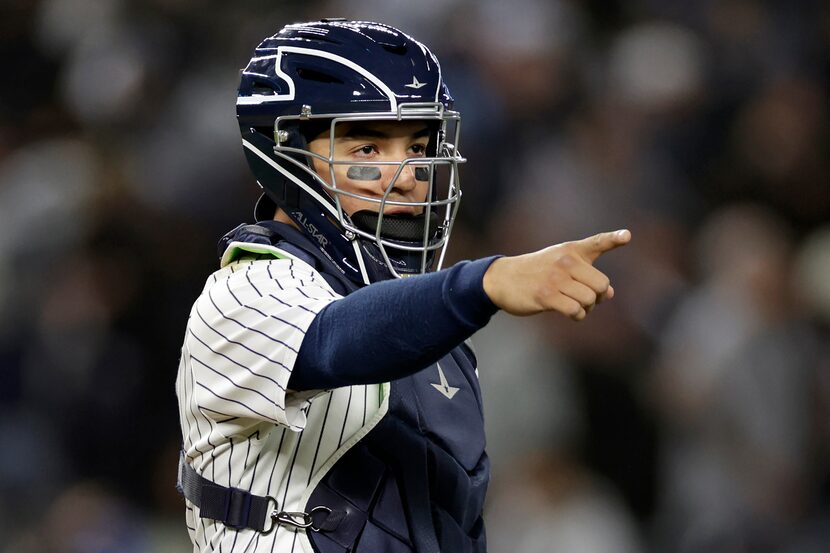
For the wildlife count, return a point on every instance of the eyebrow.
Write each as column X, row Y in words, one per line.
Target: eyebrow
column 359, row 131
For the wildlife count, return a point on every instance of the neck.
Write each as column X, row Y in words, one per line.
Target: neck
column 283, row 217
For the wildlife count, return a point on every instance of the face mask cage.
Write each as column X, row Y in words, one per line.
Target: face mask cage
column 403, row 252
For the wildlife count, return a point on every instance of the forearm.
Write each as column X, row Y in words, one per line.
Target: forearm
column 393, row 328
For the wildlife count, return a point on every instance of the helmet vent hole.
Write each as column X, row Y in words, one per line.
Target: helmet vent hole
column 312, row 75
column 395, row 49
column 317, row 37
column 262, row 89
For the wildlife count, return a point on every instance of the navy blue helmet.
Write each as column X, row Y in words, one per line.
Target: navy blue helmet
column 311, row 77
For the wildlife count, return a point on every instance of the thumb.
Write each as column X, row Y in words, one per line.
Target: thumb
column 594, row 246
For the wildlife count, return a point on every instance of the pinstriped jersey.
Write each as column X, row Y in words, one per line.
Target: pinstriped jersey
column 241, row 426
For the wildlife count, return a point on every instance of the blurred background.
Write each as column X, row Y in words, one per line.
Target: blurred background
column 690, row 414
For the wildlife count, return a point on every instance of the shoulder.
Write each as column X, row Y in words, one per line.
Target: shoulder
column 260, row 298
column 266, row 273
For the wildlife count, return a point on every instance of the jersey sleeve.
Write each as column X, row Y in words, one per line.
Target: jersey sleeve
column 393, row 328
column 243, row 336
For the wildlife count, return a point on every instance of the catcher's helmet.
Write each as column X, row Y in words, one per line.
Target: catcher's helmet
column 310, row 77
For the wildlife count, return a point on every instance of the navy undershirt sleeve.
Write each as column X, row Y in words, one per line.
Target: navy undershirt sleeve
column 393, row 328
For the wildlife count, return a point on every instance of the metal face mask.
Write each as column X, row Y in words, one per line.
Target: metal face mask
column 409, row 234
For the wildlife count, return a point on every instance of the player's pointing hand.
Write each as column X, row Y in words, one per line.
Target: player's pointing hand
column 596, row 245
column 559, row 278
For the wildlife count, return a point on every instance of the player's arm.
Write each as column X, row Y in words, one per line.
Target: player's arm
column 394, row 328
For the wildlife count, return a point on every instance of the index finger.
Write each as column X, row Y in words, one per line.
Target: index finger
column 594, row 246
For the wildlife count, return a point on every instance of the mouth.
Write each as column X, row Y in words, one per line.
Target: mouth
column 402, row 210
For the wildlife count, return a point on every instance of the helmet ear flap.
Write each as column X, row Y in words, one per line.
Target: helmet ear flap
column 305, row 132
column 290, row 136
column 279, row 187
column 314, row 128
column 436, row 137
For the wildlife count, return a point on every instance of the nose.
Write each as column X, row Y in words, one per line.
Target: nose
column 406, row 180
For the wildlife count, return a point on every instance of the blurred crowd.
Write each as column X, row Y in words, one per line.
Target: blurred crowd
column 691, row 414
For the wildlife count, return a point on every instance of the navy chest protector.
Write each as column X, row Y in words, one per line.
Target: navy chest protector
column 417, row 481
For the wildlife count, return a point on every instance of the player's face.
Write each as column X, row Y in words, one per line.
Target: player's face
column 373, row 141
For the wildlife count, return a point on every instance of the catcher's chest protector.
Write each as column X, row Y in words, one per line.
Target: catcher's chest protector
column 416, row 482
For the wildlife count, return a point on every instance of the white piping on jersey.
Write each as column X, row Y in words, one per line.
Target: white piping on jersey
column 347, row 445
column 359, row 255
column 322, row 201
column 265, row 98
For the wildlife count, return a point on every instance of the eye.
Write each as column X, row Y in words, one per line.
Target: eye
column 366, row 150
column 419, row 149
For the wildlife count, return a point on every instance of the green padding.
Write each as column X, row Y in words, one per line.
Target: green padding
column 236, row 252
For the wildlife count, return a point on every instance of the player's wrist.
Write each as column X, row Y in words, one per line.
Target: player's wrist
column 491, row 282
column 466, row 295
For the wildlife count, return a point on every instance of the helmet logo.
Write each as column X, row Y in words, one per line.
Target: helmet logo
column 300, row 217
column 415, row 84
